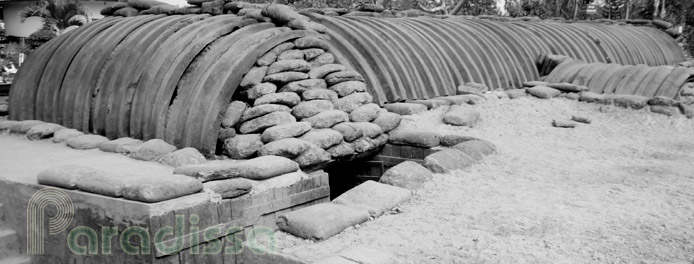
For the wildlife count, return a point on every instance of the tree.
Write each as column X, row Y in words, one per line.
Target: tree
column 478, row 7
column 41, row 36
column 566, row 9
column 57, row 14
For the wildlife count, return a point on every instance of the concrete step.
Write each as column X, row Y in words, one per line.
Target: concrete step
column 9, row 245
column 16, row 260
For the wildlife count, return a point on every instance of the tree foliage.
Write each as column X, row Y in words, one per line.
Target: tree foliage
column 678, row 12
column 478, row 7
column 40, row 37
column 57, row 14
column 545, row 8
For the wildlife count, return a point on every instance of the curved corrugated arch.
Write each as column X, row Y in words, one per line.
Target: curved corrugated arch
column 171, row 77
column 423, row 57
column 151, row 76
column 639, row 79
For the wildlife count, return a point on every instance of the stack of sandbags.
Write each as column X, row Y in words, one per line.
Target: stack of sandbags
column 686, row 94
column 137, row 7
column 370, row 10
column 235, row 6
column 159, row 10
column 544, row 90
column 152, row 150
column 286, row 16
column 232, row 178
column 297, row 103
column 187, row 10
column 109, row 10
column 150, row 189
column 325, row 11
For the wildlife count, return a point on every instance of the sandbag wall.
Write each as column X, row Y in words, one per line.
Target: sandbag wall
column 424, row 57
column 297, row 103
column 149, row 76
column 613, row 78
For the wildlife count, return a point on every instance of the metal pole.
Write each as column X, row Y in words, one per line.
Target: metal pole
column 458, row 7
column 576, row 10
column 628, row 8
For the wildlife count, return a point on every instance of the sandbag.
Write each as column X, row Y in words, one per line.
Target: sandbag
column 321, row 221
column 243, row 146
column 405, row 108
column 160, row 9
column 261, row 123
column 408, row 174
column 287, row 147
column 195, row 170
column 374, row 197
column 126, row 12
column 346, row 88
column 349, row 131
column 253, row 77
column 327, row 119
column 424, row 139
column 157, row 188
column 65, row 134
column 323, row 70
column 323, row 138
column 259, row 168
column 43, row 131
column 122, row 145
column 144, row 4
column 476, row 148
column 447, row 160
column 108, row 11
column 543, row 92
column 230, row 188
column 233, row 113
column 261, row 110
column 319, row 94
column 352, row 101
column 282, row 14
column 302, row 86
column 312, row 157
column 285, row 131
column 184, row 156
column 310, row 108
column 291, row 65
column 63, row 176
column 387, row 121
column 22, row 127
column 461, row 115
column 86, row 141
column 152, row 150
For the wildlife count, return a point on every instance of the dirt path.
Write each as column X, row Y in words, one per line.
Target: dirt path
column 620, row 190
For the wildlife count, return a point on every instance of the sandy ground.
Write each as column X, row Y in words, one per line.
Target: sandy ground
column 620, row 190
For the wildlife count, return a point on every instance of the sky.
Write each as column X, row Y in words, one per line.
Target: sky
column 180, row 3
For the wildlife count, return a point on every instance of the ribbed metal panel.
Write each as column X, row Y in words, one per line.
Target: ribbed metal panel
column 618, row 79
column 151, row 76
column 424, row 57
column 171, row 77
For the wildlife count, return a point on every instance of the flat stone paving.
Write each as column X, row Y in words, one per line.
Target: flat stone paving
column 21, row 160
